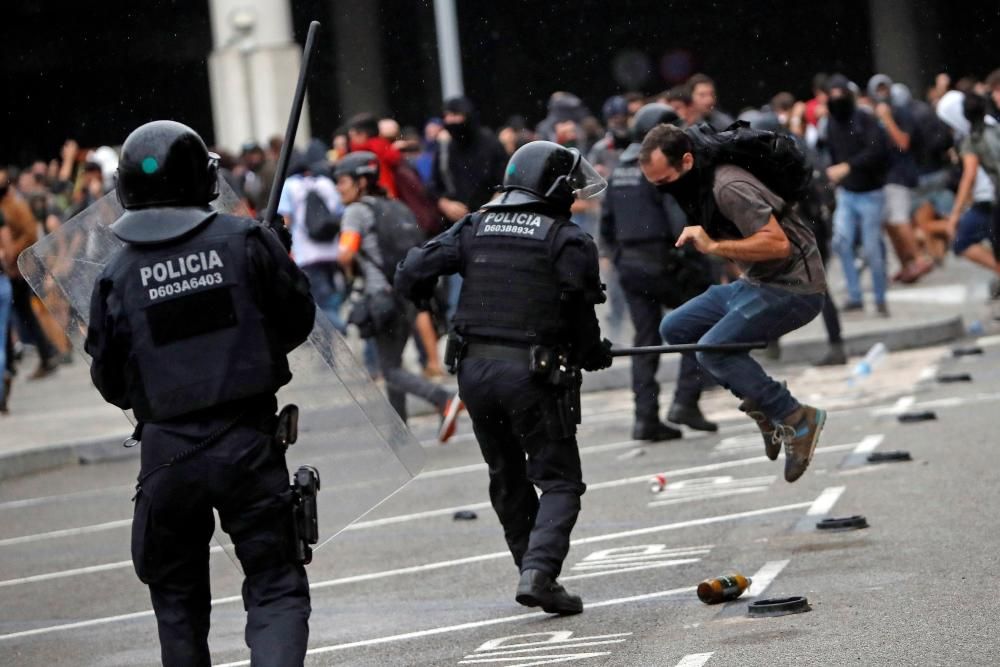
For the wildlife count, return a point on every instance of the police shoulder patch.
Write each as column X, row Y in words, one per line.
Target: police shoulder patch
column 516, row 224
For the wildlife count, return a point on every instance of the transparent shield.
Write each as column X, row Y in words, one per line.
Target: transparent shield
column 347, row 430
column 586, row 182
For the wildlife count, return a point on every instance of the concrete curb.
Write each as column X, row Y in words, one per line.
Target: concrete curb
column 935, row 332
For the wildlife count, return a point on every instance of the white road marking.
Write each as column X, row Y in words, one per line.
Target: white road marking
column 42, row 500
column 427, row 567
column 822, row 505
column 859, row 455
column 475, row 624
column 695, row 659
column 928, row 373
column 709, row 487
column 403, row 518
column 988, row 341
column 634, row 568
column 66, row 532
column 898, row 408
column 765, row 576
column 503, row 650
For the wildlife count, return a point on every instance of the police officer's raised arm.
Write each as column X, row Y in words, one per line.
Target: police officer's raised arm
column 281, row 288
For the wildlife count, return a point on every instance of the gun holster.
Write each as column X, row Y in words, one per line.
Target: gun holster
column 305, row 517
column 454, row 351
column 552, row 366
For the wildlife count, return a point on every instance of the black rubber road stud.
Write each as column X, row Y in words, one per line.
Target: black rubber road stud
column 843, row 523
column 778, row 607
column 912, row 417
column 954, row 377
column 465, row 515
column 966, row 351
column 889, row 457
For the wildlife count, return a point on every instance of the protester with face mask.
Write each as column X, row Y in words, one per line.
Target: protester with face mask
column 859, row 153
column 469, row 165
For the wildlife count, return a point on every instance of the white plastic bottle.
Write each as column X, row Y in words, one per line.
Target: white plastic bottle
column 864, row 368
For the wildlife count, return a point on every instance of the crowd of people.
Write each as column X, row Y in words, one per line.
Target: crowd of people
column 920, row 170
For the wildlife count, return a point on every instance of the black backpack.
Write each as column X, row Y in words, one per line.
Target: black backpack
column 396, row 230
column 322, row 225
column 775, row 159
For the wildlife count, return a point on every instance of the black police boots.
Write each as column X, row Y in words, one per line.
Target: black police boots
column 655, row 431
column 690, row 416
column 537, row 589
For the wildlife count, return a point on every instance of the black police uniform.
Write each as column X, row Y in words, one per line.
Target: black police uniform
column 529, row 279
column 641, row 224
column 190, row 326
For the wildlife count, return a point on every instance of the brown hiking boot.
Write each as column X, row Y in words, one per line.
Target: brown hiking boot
column 772, row 447
column 800, row 434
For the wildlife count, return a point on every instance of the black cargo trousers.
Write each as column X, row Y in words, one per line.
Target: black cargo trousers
column 244, row 476
column 509, row 410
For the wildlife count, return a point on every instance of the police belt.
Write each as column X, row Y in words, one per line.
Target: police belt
column 519, row 353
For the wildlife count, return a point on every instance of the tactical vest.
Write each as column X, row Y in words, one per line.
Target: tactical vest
column 196, row 335
column 637, row 207
column 511, row 290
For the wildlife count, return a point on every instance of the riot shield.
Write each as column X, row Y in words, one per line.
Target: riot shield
column 347, row 430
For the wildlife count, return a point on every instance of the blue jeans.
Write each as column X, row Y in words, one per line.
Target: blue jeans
column 860, row 212
column 329, row 296
column 6, row 302
column 742, row 313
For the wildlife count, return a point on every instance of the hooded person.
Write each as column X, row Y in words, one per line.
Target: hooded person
column 859, row 155
column 469, row 165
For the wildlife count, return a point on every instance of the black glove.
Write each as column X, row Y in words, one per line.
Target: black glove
column 280, row 230
column 598, row 356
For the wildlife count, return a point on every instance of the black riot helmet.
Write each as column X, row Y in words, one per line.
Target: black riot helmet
column 543, row 172
column 165, row 163
column 356, row 165
column 649, row 116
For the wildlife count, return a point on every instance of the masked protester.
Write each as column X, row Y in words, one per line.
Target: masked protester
column 525, row 325
column 191, row 323
column 859, row 152
column 733, row 215
column 640, row 225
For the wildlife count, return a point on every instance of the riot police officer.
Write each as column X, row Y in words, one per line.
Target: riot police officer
column 190, row 325
column 524, row 327
column 640, row 224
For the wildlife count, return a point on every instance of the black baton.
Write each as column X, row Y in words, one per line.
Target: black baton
column 689, row 347
column 281, row 170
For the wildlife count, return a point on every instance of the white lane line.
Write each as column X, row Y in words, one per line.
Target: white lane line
column 427, row 567
column 695, row 659
column 634, row 568
column 90, row 569
column 903, row 404
column 822, row 505
column 928, row 373
column 765, row 576
column 819, row 508
column 67, row 532
column 403, row 518
column 474, row 624
column 42, row 500
column 859, row 455
column 474, row 658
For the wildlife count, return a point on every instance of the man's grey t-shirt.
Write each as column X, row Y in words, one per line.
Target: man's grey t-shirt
column 359, row 217
column 749, row 204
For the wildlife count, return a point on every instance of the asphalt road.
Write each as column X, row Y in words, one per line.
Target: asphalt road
column 408, row 585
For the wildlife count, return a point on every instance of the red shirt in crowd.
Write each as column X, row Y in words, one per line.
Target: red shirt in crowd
column 388, row 159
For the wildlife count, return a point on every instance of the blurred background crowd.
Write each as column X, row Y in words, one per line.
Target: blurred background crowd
column 927, row 193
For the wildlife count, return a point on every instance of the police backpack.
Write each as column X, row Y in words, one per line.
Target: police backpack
column 396, row 230
column 775, row 159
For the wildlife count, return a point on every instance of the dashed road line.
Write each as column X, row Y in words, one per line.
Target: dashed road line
column 476, row 624
column 859, row 455
column 819, row 508
column 439, row 565
column 695, row 659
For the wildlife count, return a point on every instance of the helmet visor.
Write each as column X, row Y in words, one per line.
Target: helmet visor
column 585, row 181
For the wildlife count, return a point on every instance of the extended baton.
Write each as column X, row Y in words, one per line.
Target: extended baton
column 281, row 170
column 690, row 347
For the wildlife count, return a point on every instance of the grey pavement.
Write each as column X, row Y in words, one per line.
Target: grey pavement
column 62, row 419
column 408, row 585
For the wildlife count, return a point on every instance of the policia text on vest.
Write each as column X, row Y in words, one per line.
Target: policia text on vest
column 193, row 268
